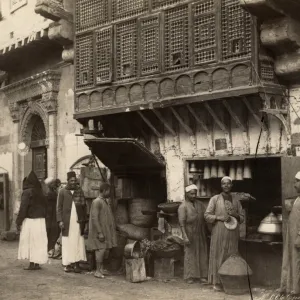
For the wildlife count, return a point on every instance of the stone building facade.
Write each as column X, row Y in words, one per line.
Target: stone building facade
column 36, row 98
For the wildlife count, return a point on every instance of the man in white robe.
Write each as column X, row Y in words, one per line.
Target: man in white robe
column 71, row 216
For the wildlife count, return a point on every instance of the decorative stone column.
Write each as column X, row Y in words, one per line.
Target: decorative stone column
column 16, row 186
column 49, row 102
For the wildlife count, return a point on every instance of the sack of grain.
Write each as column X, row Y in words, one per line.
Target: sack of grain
column 122, row 213
column 136, row 217
column 134, row 232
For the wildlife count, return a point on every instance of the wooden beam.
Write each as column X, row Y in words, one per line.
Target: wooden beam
column 197, row 118
column 234, row 115
column 181, row 122
column 256, row 117
column 215, row 117
column 205, row 128
column 156, row 132
column 164, row 121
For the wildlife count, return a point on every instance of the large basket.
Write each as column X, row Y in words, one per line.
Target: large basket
column 235, row 285
column 136, row 208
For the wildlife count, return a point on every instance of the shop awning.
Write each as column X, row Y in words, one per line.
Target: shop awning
column 123, row 154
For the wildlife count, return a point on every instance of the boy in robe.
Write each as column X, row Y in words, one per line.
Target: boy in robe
column 102, row 228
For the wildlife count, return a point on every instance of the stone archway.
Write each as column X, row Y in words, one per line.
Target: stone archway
column 36, row 138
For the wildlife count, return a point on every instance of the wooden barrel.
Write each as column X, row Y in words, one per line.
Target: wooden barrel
column 136, row 208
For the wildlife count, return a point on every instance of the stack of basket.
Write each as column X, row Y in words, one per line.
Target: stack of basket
column 131, row 220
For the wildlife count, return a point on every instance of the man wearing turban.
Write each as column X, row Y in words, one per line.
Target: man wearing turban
column 71, row 217
column 290, row 274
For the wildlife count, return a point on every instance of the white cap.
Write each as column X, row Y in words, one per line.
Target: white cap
column 298, row 176
column 190, row 188
column 226, row 178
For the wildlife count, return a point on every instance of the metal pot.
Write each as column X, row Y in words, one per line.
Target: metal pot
column 270, row 225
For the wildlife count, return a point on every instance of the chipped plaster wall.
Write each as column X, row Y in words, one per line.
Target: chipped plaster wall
column 21, row 22
column 6, row 146
column 69, row 147
column 294, row 96
column 175, row 150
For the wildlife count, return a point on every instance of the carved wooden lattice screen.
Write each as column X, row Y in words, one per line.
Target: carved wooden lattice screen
column 128, row 8
column 204, row 29
column 121, row 40
column 91, row 13
column 164, row 3
column 236, row 31
column 104, row 52
column 150, row 45
column 126, row 50
column 176, row 38
column 84, row 61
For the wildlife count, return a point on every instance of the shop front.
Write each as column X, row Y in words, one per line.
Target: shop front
column 174, row 92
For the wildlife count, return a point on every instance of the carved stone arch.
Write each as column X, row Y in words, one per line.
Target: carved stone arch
column 28, row 121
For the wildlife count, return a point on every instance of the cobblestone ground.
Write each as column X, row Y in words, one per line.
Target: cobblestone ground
column 52, row 283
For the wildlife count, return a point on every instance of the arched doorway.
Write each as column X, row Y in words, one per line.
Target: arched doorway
column 38, row 147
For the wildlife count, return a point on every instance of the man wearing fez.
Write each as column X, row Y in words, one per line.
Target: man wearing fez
column 71, row 217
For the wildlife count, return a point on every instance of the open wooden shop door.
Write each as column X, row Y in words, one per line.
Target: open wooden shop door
column 137, row 172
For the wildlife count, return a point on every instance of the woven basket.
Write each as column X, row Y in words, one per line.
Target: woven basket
column 122, row 213
column 136, row 217
column 235, row 285
column 134, row 232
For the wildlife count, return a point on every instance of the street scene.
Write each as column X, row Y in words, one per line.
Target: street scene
column 150, row 149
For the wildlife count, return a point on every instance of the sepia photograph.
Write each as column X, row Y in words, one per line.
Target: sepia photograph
column 150, row 149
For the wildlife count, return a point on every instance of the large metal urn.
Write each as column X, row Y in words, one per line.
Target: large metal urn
column 270, row 227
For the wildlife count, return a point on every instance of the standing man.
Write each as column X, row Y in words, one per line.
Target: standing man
column 102, row 228
column 53, row 230
column 290, row 274
column 71, row 217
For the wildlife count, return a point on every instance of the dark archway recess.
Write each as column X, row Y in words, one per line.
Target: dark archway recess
column 38, row 146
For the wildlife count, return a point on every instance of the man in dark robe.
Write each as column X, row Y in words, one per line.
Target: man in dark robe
column 53, row 230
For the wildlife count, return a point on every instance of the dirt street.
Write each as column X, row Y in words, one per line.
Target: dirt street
column 52, row 283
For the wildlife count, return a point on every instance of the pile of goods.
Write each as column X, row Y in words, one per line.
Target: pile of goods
column 166, row 248
column 131, row 220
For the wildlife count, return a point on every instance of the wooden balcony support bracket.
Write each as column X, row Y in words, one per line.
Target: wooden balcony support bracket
column 151, row 126
column 221, row 125
column 164, row 121
column 204, row 127
column 181, row 122
column 256, row 117
column 282, row 116
column 239, row 123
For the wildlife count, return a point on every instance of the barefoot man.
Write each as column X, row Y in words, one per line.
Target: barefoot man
column 102, row 228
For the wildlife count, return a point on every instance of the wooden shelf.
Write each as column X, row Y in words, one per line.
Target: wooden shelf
column 261, row 241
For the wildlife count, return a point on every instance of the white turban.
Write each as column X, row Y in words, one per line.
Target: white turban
column 190, row 188
column 298, row 176
column 49, row 180
column 226, row 178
